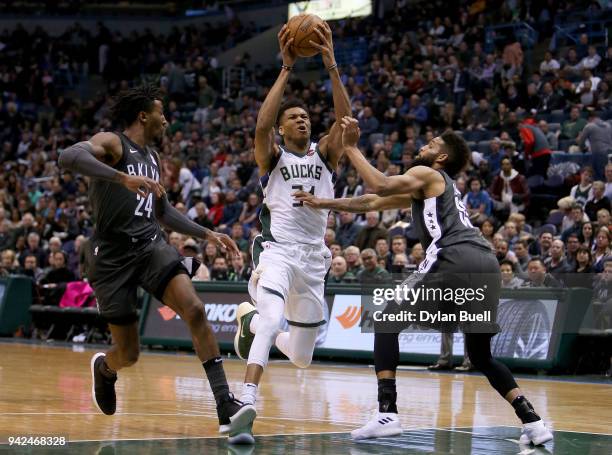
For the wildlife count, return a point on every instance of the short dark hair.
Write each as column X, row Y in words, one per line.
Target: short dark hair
column 507, row 262
column 536, row 259
column 129, row 103
column 458, row 153
column 288, row 105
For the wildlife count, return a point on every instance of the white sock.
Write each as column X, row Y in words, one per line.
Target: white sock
column 282, row 343
column 249, row 393
column 253, row 323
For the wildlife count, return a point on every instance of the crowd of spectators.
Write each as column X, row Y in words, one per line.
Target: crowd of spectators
column 514, row 113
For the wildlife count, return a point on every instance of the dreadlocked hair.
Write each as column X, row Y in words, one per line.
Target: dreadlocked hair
column 129, row 103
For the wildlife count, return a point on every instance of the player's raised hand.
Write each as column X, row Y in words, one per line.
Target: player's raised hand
column 326, row 47
column 350, row 131
column 142, row 185
column 224, row 243
column 308, row 199
column 285, row 41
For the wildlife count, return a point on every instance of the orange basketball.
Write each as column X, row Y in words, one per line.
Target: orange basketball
column 301, row 29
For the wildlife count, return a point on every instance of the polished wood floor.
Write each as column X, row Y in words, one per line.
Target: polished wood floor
column 47, row 391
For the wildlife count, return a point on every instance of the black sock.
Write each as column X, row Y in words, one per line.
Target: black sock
column 216, row 378
column 387, row 396
column 106, row 371
column 524, row 410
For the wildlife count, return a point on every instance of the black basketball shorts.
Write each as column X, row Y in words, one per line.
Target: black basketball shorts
column 118, row 270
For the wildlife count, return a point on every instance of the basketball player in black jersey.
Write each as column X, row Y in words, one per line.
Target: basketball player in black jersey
column 453, row 247
column 129, row 249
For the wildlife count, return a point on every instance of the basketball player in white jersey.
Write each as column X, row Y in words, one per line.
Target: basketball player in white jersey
column 290, row 257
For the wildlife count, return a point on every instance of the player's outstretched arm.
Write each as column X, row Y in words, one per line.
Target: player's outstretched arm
column 265, row 148
column 95, row 158
column 361, row 204
column 411, row 181
column 331, row 145
column 174, row 220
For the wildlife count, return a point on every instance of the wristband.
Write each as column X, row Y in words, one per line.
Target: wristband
column 335, row 65
column 285, row 67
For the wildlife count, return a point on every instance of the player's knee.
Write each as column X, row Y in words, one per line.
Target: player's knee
column 301, row 360
column 193, row 313
column 269, row 325
column 129, row 357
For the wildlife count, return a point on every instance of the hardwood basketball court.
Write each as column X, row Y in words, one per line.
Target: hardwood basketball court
column 165, row 406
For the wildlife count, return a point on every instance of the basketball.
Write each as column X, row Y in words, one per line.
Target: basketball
column 301, row 29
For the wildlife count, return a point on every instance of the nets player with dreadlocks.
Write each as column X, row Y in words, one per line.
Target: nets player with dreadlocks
column 129, row 249
column 453, row 248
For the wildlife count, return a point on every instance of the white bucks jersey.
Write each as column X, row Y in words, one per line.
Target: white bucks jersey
column 285, row 220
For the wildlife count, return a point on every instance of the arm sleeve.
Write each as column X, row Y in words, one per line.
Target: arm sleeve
column 79, row 158
column 175, row 220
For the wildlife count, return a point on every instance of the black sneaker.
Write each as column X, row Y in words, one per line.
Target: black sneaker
column 102, row 388
column 234, row 414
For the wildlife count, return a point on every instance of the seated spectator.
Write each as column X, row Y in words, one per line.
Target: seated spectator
column 348, row 229
column 338, row 272
column 556, row 264
column 371, row 232
column 503, row 253
column 9, row 264
column 510, row 233
column 487, row 229
column 549, row 66
column 55, row 280
column 509, row 280
column 31, row 269
column 417, row 254
column 521, row 251
column 250, row 211
column 583, row 191
column 601, row 248
column 352, row 187
column 372, row 273
column 353, row 260
column 400, row 262
column 509, row 190
column 329, row 237
column 587, row 238
column 572, row 224
column 551, row 137
column 572, row 245
column 336, row 249
column 217, row 205
column 237, row 236
column 201, row 215
column 382, row 251
column 240, row 271
column 477, row 202
column 597, row 201
column 211, row 252
column 570, row 129
column 232, row 209
column 592, row 60
column 550, row 100
column 219, row 270
column 537, row 276
column 35, row 249
column 541, row 247
column 584, row 260
column 603, row 218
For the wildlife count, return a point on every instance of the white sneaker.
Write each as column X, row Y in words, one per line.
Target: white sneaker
column 243, row 435
column 535, row 432
column 383, row 424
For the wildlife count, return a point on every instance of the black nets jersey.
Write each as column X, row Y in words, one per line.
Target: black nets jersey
column 443, row 221
column 120, row 213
